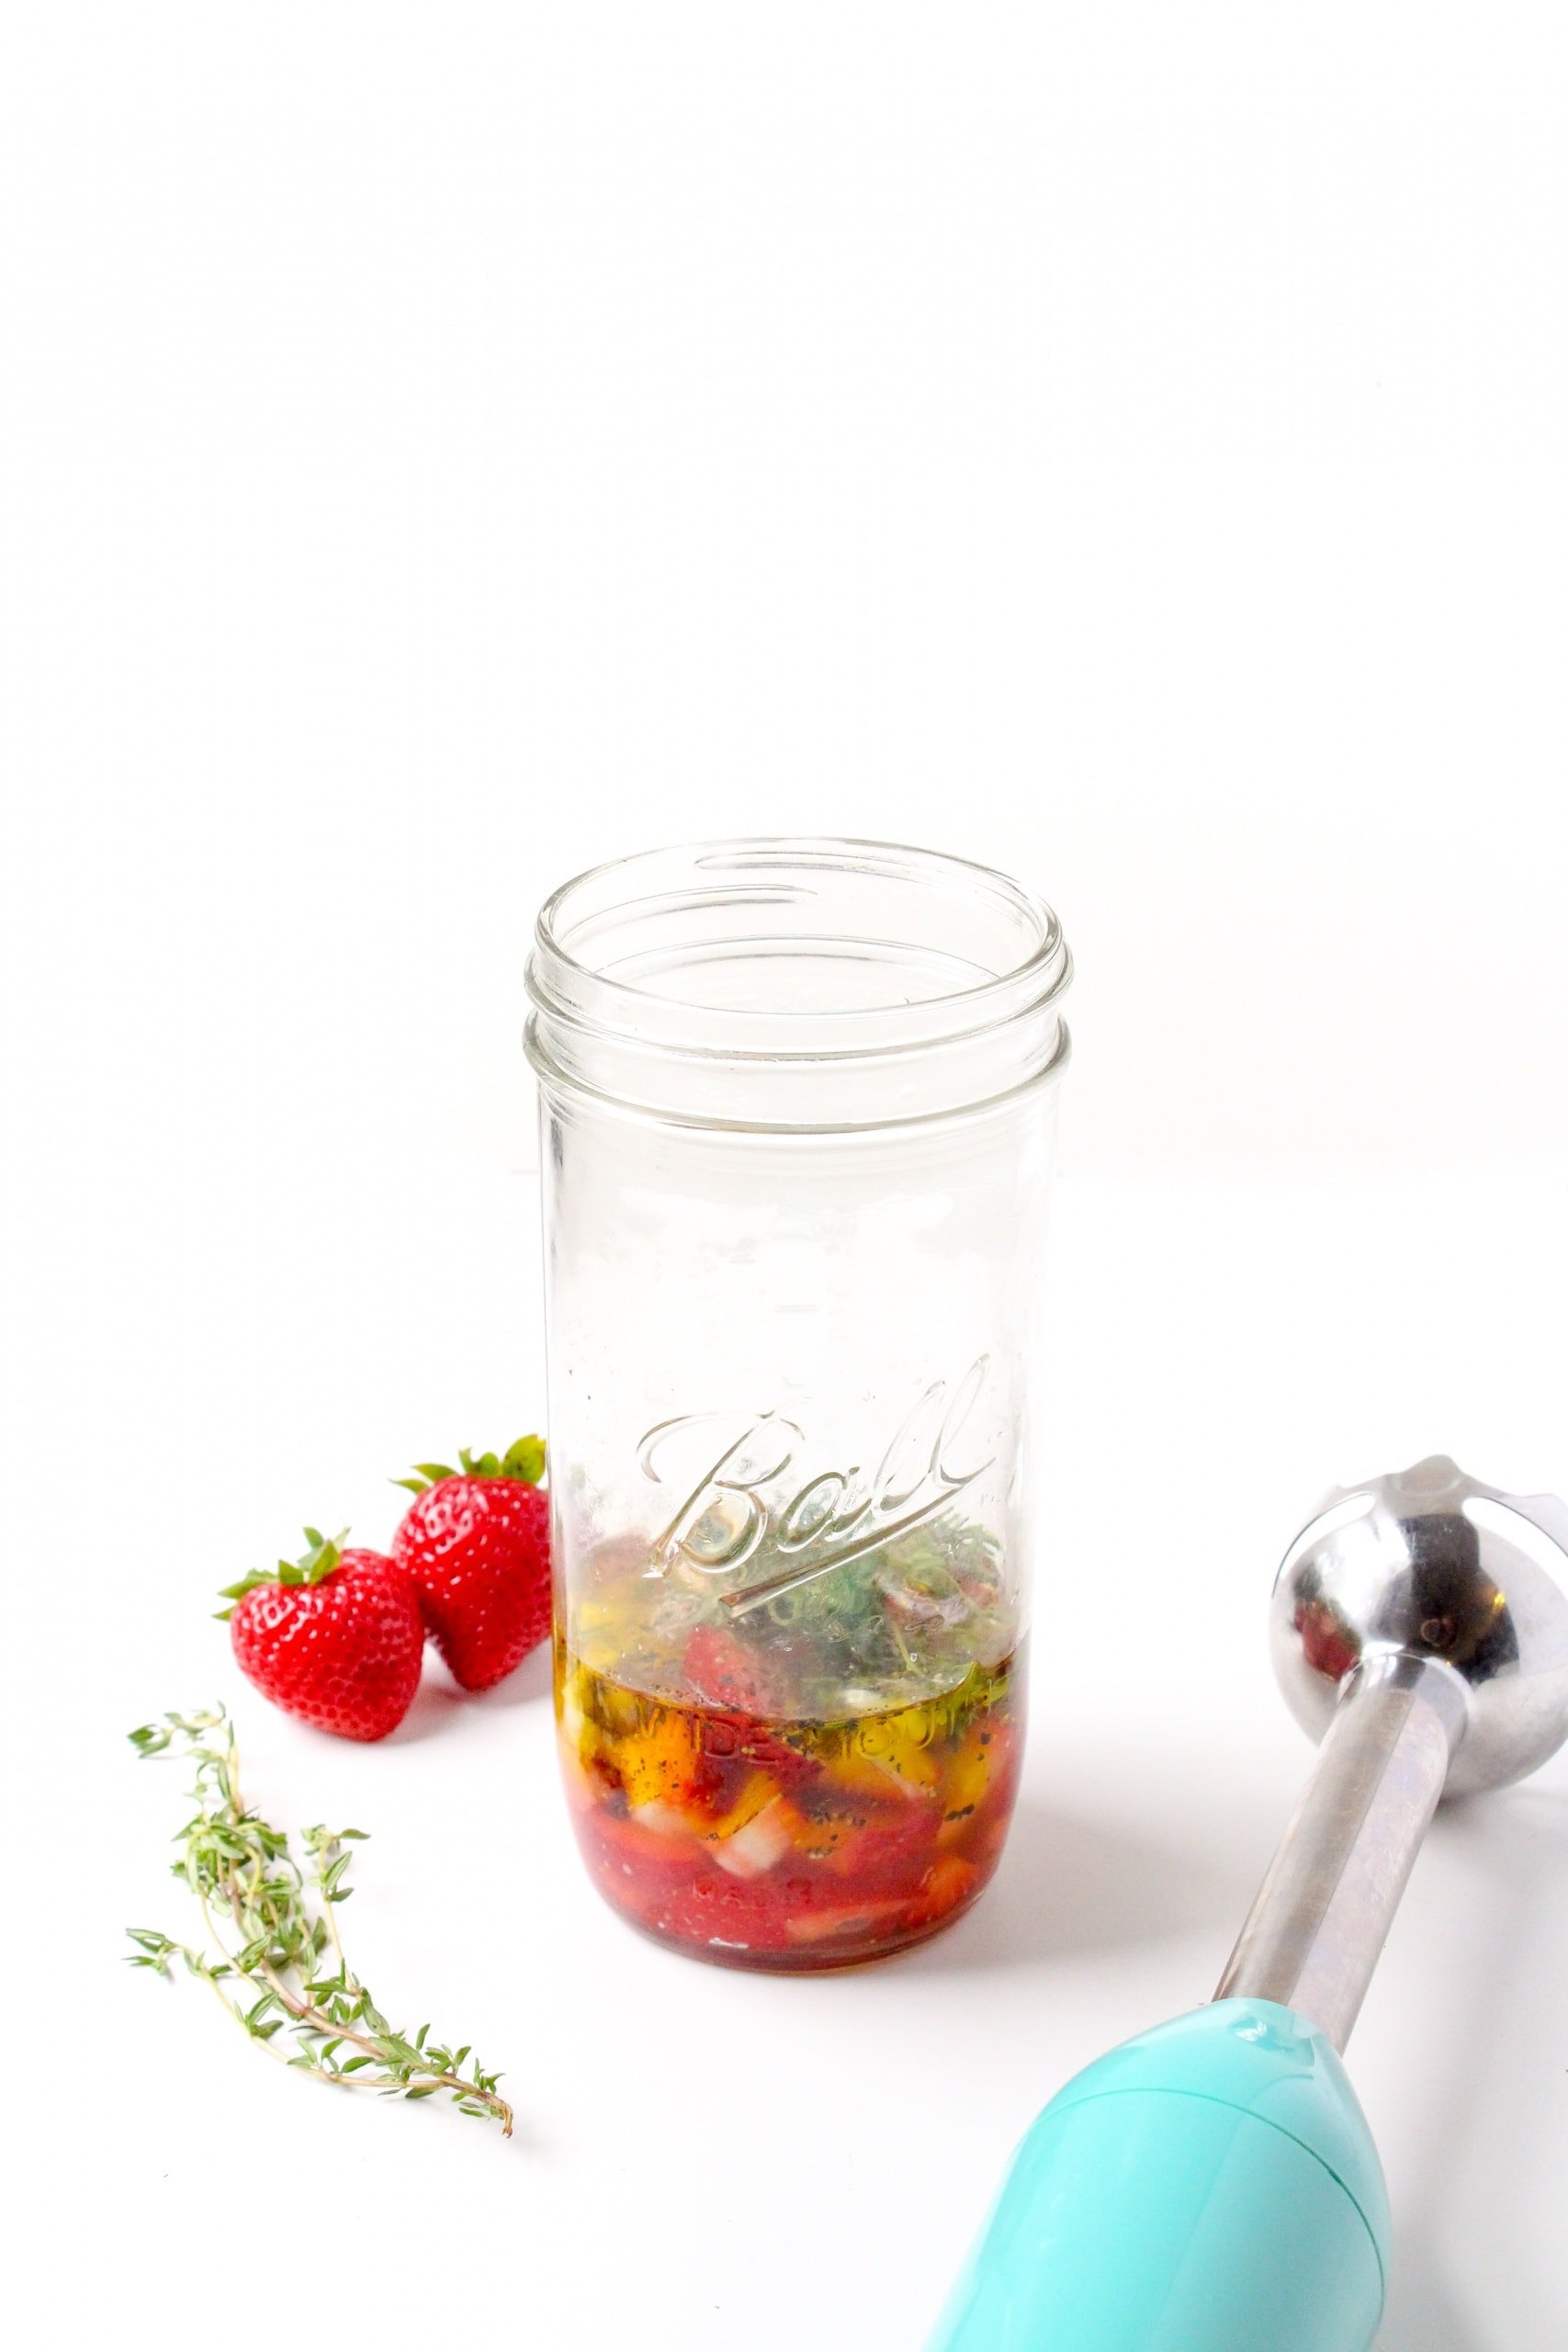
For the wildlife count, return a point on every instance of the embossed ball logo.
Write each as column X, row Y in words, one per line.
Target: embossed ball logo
column 746, row 1498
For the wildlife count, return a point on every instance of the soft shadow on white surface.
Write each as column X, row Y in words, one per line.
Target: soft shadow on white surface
column 439, row 1697
column 1424, row 2314
column 1466, row 2098
column 1072, row 1885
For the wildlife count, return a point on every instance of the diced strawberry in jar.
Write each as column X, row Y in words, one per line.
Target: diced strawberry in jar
column 948, row 1884
column 889, row 1852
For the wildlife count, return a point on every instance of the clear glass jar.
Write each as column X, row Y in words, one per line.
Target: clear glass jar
column 798, row 1101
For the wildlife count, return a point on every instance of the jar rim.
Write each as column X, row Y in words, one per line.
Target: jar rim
column 759, row 854
column 781, row 974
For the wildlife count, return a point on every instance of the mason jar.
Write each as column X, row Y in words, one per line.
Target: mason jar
column 797, row 1105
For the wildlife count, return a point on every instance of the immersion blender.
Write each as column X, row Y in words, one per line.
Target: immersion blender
column 1212, row 2186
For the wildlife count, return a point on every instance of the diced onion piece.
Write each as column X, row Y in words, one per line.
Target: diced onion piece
column 757, row 1847
column 664, row 1820
column 850, row 1918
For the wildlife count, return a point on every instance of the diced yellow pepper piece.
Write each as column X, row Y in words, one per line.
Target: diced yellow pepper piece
column 968, row 1778
column 658, row 1760
column 893, row 1748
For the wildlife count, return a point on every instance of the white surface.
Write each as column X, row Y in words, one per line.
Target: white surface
column 443, row 448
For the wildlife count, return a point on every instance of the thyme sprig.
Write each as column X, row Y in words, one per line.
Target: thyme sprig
column 280, row 1966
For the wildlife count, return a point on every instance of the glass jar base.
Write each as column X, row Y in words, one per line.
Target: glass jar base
column 781, row 1844
column 801, row 1960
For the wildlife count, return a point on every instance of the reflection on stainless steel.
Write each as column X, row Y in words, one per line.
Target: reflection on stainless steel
column 1417, row 1631
column 1432, row 1564
column 1318, row 1924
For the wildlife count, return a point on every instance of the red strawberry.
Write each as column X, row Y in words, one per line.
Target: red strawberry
column 335, row 1638
column 477, row 1543
column 719, row 1667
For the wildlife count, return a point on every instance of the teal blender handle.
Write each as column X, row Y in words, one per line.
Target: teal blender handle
column 1212, row 2186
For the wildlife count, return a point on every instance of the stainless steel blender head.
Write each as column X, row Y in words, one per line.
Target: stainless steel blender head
column 1418, row 1632
column 1212, row 2186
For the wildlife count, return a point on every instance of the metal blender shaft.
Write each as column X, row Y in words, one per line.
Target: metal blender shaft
column 1320, row 1918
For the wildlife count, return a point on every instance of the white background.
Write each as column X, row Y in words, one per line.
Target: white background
column 444, row 447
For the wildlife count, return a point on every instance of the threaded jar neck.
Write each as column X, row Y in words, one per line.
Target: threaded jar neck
column 782, row 985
